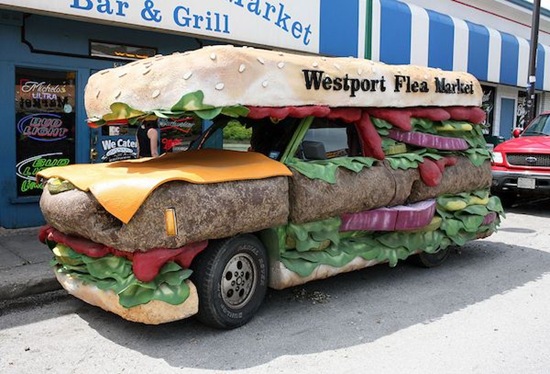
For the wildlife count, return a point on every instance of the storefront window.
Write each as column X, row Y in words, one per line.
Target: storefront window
column 45, row 124
column 521, row 113
column 488, row 105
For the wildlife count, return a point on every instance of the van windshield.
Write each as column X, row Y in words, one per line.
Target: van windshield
column 263, row 136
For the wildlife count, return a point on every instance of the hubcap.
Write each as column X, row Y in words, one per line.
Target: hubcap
column 239, row 280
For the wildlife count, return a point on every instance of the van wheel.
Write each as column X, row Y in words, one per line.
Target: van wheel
column 231, row 280
column 430, row 260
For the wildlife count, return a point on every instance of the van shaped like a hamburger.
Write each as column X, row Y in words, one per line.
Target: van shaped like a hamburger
column 352, row 163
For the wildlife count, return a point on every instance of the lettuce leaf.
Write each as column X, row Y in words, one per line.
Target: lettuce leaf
column 190, row 104
column 115, row 274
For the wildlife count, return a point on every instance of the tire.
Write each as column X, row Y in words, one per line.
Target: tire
column 430, row 260
column 231, row 280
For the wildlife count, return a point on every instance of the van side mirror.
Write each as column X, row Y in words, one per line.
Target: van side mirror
column 313, row 150
column 516, row 133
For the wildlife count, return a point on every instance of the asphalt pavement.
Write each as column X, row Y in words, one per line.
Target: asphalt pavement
column 24, row 264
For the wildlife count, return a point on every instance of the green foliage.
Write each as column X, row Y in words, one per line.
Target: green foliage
column 236, row 131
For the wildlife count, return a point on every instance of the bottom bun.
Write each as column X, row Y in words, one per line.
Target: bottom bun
column 281, row 277
column 153, row 313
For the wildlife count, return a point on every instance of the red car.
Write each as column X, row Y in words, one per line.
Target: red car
column 521, row 166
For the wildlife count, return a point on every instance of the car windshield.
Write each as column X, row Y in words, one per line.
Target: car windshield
column 539, row 126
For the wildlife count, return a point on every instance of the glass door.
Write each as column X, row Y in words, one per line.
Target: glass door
column 45, row 124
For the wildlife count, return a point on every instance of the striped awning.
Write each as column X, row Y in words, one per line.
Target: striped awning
column 408, row 34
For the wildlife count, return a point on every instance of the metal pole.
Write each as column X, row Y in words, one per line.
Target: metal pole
column 530, row 99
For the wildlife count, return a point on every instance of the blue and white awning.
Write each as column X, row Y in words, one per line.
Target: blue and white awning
column 408, row 34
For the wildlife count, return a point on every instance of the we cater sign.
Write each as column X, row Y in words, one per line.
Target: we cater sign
column 279, row 23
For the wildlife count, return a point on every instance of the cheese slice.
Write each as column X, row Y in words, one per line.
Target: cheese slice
column 122, row 187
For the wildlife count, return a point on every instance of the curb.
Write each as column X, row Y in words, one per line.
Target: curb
column 20, row 231
column 27, row 280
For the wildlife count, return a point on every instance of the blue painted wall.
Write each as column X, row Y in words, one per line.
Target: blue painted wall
column 58, row 45
column 339, row 28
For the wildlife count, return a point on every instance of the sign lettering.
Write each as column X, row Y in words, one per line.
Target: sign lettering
column 280, row 23
column 318, row 79
column 27, row 169
column 44, row 127
column 118, row 149
column 176, row 134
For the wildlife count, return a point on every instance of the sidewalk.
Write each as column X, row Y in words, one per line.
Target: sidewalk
column 24, row 264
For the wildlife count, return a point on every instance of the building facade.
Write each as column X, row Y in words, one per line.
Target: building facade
column 49, row 52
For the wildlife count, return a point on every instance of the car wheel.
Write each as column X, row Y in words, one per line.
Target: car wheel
column 231, row 280
column 430, row 260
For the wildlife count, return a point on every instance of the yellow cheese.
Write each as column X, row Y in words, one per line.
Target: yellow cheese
column 121, row 187
column 454, row 127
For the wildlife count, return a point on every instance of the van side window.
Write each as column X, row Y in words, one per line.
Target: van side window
column 271, row 138
column 327, row 139
column 263, row 136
